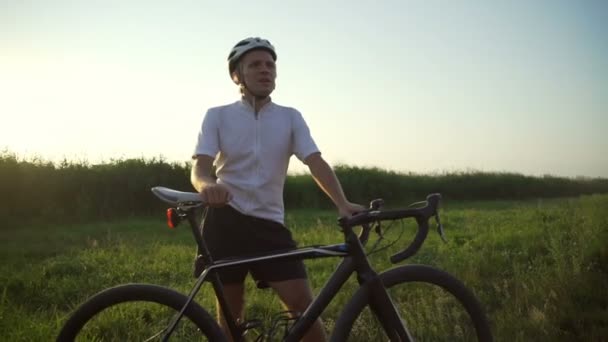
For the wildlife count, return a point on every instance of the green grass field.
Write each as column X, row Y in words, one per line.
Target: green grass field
column 539, row 267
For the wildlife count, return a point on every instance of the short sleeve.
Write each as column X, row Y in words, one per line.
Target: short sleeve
column 208, row 142
column 303, row 143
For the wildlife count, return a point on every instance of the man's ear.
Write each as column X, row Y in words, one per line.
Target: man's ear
column 235, row 77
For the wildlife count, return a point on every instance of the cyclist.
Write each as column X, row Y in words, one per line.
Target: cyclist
column 250, row 142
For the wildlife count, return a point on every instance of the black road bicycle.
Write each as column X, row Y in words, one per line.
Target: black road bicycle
column 384, row 307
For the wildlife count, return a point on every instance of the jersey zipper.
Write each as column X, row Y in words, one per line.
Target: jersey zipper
column 257, row 146
column 256, row 151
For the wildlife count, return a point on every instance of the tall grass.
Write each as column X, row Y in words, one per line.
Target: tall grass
column 77, row 190
column 538, row 267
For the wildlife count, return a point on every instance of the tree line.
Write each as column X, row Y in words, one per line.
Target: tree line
column 76, row 190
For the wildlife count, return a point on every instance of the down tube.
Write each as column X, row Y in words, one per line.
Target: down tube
column 328, row 292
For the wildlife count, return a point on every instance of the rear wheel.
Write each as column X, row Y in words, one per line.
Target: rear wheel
column 433, row 305
column 139, row 312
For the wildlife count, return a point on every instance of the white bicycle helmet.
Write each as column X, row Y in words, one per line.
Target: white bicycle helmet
column 246, row 45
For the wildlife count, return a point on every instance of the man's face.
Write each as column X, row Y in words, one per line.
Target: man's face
column 259, row 72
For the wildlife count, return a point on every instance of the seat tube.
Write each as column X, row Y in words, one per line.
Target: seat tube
column 214, row 278
column 202, row 246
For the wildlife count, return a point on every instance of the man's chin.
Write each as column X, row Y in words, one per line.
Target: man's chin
column 263, row 93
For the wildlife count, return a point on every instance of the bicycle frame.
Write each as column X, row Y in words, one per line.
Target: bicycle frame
column 355, row 261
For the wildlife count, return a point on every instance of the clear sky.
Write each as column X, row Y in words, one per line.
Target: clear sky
column 421, row 86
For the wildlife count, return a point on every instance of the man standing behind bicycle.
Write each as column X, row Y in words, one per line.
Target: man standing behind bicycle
column 251, row 142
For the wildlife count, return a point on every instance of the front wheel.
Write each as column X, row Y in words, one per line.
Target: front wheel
column 433, row 305
column 138, row 312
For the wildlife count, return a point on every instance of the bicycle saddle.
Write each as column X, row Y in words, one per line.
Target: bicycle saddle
column 175, row 197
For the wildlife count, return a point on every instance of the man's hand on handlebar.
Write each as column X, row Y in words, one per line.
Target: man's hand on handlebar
column 349, row 209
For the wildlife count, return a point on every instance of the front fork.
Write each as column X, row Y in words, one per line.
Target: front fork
column 385, row 311
column 379, row 300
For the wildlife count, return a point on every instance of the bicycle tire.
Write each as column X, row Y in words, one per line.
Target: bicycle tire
column 147, row 293
column 416, row 274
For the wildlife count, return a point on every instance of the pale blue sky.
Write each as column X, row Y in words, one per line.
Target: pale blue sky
column 422, row 86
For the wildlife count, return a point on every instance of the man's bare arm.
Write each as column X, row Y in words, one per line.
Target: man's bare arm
column 326, row 178
column 215, row 195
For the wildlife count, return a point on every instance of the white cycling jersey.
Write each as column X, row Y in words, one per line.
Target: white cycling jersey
column 252, row 153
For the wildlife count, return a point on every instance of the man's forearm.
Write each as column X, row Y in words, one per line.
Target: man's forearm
column 326, row 178
column 199, row 181
column 200, row 175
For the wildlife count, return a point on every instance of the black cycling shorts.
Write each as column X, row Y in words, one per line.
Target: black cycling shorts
column 229, row 233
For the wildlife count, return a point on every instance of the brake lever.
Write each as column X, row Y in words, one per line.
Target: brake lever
column 440, row 228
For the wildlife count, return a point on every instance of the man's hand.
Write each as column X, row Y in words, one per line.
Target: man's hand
column 211, row 193
column 349, row 209
column 215, row 195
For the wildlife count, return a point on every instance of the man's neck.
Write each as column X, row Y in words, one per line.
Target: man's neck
column 255, row 103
